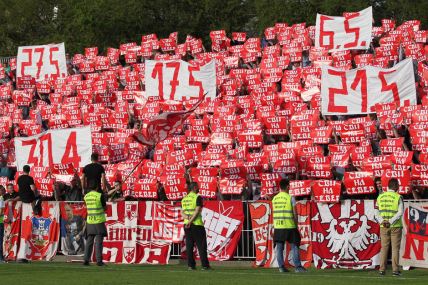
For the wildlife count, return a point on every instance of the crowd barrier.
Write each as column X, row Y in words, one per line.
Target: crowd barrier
column 151, row 232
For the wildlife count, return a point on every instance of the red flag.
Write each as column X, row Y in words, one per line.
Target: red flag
column 163, row 125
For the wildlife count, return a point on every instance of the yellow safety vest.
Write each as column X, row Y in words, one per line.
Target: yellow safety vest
column 283, row 216
column 188, row 204
column 387, row 203
column 94, row 208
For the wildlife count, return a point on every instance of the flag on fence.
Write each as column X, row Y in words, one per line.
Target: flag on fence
column 345, row 235
column 414, row 241
column 12, row 226
column 262, row 225
column 39, row 234
column 73, row 217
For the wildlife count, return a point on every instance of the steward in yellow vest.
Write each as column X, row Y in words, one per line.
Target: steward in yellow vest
column 389, row 212
column 285, row 228
column 191, row 207
column 95, row 225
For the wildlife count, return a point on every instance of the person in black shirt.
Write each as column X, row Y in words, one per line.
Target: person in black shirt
column 26, row 186
column 10, row 193
column 94, row 176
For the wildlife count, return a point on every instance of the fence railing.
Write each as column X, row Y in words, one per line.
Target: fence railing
column 246, row 249
column 5, row 60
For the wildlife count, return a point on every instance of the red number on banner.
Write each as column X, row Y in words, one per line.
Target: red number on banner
column 52, row 61
column 174, row 82
column 158, row 72
column 26, row 63
column 193, row 82
column 71, row 155
column 46, row 137
column 361, row 76
column 39, row 63
column 329, row 34
column 333, row 91
column 31, row 158
column 389, row 87
column 355, row 31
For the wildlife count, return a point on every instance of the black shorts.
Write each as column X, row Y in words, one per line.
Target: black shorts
column 287, row 235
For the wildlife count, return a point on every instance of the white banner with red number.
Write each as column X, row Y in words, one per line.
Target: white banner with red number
column 353, row 31
column 178, row 80
column 357, row 91
column 414, row 241
column 41, row 62
column 55, row 147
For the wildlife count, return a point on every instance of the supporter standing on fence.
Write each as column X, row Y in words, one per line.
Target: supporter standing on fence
column 285, row 227
column 94, row 176
column 95, row 225
column 390, row 210
column 27, row 190
column 194, row 227
column 2, row 192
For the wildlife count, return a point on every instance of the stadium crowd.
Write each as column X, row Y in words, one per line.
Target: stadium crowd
column 265, row 124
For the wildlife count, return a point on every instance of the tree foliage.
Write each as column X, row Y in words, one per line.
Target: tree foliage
column 105, row 23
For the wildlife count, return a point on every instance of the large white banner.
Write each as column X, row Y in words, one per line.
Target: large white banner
column 42, row 62
column 357, row 91
column 341, row 33
column 55, row 147
column 178, row 80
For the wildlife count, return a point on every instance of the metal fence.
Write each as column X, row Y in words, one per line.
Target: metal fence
column 5, row 60
column 245, row 249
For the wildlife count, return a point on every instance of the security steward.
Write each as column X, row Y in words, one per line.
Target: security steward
column 191, row 206
column 390, row 210
column 285, row 228
column 95, row 225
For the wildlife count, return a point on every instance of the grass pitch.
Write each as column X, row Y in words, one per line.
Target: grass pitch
column 73, row 273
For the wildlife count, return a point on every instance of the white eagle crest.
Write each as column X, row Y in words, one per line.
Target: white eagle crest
column 347, row 242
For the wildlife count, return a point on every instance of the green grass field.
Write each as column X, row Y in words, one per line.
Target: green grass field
column 74, row 273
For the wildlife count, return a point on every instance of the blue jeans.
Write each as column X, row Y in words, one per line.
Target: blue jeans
column 279, row 250
column 1, row 240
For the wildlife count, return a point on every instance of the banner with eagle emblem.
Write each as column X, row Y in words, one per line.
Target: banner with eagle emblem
column 345, row 235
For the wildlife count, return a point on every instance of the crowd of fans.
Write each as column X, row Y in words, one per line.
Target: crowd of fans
column 264, row 125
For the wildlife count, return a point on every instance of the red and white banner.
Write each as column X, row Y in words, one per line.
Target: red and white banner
column 357, row 91
column 73, row 220
column 223, row 221
column 414, row 241
column 42, row 62
column 168, row 224
column 163, row 125
column 178, row 80
column 12, row 228
column 262, row 225
column 353, row 31
column 55, row 147
column 345, row 235
column 39, row 234
column 129, row 232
